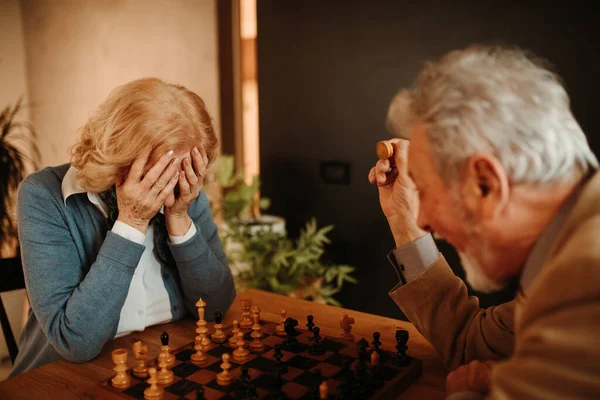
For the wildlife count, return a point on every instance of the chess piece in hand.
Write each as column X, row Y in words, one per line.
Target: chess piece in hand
column 398, row 195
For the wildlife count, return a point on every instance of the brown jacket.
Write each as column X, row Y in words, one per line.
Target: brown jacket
column 548, row 340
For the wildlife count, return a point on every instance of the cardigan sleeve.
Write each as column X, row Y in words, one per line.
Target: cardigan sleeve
column 77, row 309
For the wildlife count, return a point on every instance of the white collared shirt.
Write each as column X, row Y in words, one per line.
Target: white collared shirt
column 147, row 301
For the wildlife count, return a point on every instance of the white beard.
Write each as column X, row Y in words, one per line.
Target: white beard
column 475, row 276
column 471, row 259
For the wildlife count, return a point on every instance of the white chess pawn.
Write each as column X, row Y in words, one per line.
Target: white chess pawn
column 224, row 377
column 257, row 345
column 233, row 339
column 280, row 329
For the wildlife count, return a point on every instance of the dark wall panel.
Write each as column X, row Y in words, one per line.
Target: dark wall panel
column 327, row 70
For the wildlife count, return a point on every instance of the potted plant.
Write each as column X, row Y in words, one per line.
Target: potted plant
column 259, row 250
column 17, row 150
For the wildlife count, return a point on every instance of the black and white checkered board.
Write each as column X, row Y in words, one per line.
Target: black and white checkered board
column 297, row 382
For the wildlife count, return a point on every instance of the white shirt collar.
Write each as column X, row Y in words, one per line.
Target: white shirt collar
column 70, row 186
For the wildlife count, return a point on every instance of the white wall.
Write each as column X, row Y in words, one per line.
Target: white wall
column 79, row 50
column 13, row 84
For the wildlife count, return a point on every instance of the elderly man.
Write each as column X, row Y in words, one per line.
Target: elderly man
column 498, row 166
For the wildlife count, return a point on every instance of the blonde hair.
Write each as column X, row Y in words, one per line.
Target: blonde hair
column 138, row 114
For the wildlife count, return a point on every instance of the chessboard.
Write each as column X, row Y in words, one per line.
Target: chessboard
column 279, row 362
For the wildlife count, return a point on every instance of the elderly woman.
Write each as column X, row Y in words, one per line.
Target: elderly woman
column 123, row 237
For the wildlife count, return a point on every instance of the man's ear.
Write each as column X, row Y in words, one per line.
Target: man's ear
column 485, row 187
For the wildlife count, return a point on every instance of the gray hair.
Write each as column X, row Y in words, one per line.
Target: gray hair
column 500, row 101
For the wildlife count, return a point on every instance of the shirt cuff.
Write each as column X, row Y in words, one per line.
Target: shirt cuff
column 415, row 257
column 128, row 232
column 182, row 239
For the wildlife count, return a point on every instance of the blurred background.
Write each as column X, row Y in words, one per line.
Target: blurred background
column 299, row 92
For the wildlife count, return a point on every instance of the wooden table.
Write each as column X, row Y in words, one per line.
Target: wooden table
column 64, row 380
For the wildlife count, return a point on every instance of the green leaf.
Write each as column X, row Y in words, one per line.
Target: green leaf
column 332, row 301
column 276, row 262
column 330, row 274
column 328, row 291
column 340, row 280
column 264, row 203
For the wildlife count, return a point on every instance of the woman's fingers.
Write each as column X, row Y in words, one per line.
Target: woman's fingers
column 184, row 186
column 157, row 170
column 165, row 177
column 168, row 189
column 190, row 175
column 137, row 168
column 199, row 163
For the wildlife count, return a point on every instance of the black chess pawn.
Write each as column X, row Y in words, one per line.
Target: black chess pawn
column 317, row 378
column 346, row 370
column 277, row 387
column 376, row 343
column 363, row 355
column 200, row 393
column 277, row 356
column 360, row 386
column 164, row 338
column 316, row 349
column 344, row 389
column 402, row 338
column 310, row 324
column 290, row 325
column 375, row 378
column 290, row 342
column 245, row 374
column 251, row 392
column 218, row 317
column 246, row 389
